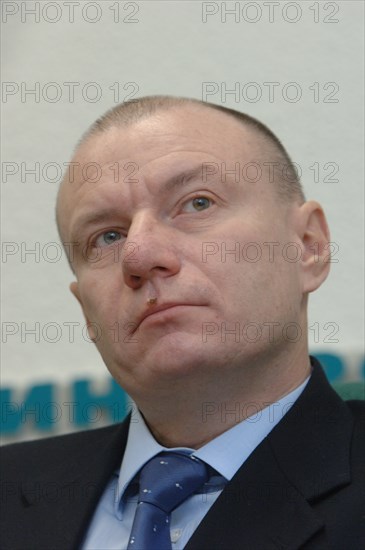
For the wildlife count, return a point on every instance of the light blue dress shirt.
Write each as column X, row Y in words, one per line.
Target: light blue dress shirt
column 111, row 524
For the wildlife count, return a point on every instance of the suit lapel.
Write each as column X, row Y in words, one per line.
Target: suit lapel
column 64, row 499
column 268, row 502
column 259, row 508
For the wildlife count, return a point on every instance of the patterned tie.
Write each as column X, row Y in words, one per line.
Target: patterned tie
column 165, row 482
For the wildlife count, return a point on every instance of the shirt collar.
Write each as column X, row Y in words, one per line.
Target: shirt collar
column 241, row 440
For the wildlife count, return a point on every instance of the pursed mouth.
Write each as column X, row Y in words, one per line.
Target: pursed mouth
column 159, row 309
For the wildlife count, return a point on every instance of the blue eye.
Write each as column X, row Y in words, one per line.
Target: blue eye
column 199, row 203
column 108, row 238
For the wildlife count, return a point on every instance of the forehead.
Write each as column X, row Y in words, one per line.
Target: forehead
column 165, row 143
column 189, row 128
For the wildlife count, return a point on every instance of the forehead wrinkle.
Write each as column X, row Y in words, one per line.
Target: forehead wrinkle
column 184, row 177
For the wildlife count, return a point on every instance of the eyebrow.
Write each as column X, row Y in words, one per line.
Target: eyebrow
column 178, row 180
column 183, row 177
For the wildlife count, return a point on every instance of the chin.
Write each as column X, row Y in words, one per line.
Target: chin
column 173, row 356
column 176, row 353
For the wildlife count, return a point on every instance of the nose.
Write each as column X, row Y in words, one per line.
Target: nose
column 149, row 252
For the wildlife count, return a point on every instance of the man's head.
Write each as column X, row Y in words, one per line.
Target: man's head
column 200, row 208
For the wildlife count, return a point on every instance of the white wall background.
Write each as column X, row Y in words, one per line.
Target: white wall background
column 169, row 49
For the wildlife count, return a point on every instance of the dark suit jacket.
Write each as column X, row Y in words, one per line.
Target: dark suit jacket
column 303, row 486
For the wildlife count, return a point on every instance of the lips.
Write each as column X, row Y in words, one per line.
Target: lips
column 157, row 308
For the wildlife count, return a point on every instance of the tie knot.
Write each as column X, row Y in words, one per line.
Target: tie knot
column 170, row 478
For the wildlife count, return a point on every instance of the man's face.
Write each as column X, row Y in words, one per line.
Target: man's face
column 197, row 244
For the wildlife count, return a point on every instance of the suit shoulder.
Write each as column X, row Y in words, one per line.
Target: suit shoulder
column 357, row 411
column 59, row 441
column 38, row 454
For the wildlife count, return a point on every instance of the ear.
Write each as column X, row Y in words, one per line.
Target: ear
column 74, row 287
column 315, row 237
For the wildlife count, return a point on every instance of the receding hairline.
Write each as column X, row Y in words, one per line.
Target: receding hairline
column 134, row 110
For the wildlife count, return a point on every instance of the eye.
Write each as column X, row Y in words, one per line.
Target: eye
column 198, row 204
column 108, row 238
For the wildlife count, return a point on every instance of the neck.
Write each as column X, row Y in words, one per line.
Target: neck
column 193, row 416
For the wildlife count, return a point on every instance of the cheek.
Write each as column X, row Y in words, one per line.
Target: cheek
column 253, row 278
column 98, row 295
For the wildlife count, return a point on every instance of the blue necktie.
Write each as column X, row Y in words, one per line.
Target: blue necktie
column 165, row 482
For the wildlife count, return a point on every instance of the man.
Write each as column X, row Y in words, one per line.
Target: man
column 194, row 252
